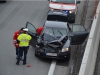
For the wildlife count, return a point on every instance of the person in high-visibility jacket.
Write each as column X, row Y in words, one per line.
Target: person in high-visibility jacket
column 23, row 40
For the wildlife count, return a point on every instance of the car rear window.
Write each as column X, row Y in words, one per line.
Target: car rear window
column 57, row 18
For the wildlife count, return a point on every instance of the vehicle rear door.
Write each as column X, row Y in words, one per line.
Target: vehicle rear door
column 32, row 33
column 57, row 16
column 78, row 34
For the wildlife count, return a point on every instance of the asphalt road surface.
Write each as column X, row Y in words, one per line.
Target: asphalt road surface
column 13, row 16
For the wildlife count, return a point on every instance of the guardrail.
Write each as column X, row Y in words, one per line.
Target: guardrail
column 90, row 54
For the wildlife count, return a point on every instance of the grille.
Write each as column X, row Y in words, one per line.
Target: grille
column 64, row 11
column 51, row 50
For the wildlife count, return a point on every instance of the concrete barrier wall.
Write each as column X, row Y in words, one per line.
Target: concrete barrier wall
column 90, row 54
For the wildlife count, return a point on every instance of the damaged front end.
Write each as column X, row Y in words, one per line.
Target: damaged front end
column 50, row 49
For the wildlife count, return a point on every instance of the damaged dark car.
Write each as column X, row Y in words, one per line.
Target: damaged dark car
column 56, row 39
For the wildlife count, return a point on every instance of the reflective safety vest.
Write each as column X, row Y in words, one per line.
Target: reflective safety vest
column 24, row 39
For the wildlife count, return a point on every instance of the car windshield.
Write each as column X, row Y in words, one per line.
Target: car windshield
column 64, row 1
column 55, row 31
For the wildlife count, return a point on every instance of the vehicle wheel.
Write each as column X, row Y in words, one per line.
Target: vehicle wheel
column 76, row 11
column 71, row 18
column 69, row 54
column 36, row 54
column 68, row 58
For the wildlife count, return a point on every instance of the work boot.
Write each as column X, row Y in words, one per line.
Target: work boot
column 24, row 63
column 17, row 63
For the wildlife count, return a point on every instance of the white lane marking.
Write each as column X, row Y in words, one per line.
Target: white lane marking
column 52, row 67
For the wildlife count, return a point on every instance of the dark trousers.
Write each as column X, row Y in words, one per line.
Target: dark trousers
column 22, row 50
column 17, row 51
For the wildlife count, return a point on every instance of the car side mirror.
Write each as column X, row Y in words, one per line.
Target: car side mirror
column 88, row 30
column 71, row 35
column 78, row 2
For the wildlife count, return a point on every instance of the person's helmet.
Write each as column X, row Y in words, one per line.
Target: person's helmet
column 25, row 29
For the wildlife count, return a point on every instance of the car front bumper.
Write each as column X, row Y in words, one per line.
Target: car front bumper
column 64, row 55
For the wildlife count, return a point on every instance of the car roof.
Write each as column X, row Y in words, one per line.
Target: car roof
column 55, row 24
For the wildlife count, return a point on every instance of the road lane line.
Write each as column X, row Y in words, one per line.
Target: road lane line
column 52, row 67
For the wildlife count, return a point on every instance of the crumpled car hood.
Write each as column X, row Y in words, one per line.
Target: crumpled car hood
column 50, row 43
column 53, row 41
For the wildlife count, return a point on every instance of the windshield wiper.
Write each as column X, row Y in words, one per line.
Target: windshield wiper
column 60, row 32
column 53, row 31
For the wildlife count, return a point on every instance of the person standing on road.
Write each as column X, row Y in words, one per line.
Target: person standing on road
column 16, row 34
column 23, row 40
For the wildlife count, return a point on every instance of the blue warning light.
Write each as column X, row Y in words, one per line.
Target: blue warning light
column 66, row 11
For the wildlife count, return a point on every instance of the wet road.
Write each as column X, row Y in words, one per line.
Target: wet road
column 14, row 15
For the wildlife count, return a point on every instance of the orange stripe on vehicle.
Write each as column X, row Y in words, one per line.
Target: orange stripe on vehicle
column 61, row 9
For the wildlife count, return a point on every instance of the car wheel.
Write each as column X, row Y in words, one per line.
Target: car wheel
column 71, row 18
column 36, row 54
column 76, row 11
column 69, row 54
column 68, row 58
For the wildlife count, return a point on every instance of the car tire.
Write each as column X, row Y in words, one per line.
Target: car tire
column 76, row 11
column 69, row 54
column 36, row 54
column 68, row 58
column 71, row 18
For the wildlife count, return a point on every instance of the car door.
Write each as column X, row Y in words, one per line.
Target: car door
column 78, row 34
column 32, row 33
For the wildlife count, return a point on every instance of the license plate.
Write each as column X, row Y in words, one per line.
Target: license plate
column 57, row 12
column 51, row 54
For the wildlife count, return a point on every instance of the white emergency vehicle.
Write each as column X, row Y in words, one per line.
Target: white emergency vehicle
column 67, row 6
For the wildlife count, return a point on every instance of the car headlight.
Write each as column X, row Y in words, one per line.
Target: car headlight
column 65, row 50
column 52, row 9
column 71, row 11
